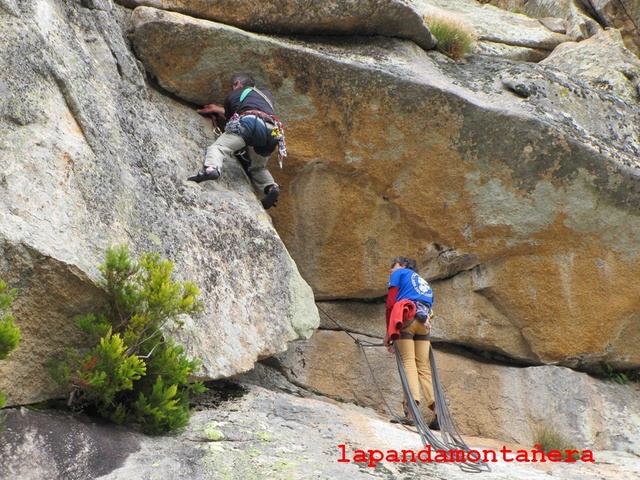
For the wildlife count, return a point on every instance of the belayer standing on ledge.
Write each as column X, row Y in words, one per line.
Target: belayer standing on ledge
column 409, row 294
column 251, row 124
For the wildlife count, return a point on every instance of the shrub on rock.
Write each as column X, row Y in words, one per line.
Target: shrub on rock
column 135, row 374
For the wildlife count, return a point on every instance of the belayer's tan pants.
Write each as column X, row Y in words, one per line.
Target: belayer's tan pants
column 414, row 353
column 226, row 145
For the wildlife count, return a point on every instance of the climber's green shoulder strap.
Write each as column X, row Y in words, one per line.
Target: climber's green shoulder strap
column 245, row 93
column 254, row 89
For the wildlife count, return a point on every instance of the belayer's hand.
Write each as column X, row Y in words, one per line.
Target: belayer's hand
column 388, row 344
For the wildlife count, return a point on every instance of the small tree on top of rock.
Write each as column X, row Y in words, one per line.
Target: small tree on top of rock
column 135, row 374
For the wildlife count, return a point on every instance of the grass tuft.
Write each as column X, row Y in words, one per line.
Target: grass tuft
column 455, row 38
column 551, row 439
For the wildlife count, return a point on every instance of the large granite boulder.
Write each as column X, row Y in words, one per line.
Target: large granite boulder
column 620, row 74
column 623, row 15
column 582, row 18
column 562, row 16
column 91, row 156
column 391, row 18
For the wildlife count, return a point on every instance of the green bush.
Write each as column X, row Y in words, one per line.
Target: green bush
column 9, row 333
column 134, row 375
column 455, row 39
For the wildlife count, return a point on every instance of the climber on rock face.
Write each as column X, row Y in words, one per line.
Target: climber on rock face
column 409, row 292
column 252, row 127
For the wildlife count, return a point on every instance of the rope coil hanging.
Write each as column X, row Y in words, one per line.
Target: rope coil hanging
column 450, row 437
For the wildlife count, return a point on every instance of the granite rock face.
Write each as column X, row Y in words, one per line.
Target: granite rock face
column 511, row 176
column 508, row 403
column 497, row 168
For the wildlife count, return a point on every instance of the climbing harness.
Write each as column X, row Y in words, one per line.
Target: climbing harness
column 450, row 436
column 277, row 132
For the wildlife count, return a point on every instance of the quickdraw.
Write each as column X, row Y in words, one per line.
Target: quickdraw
column 216, row 128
